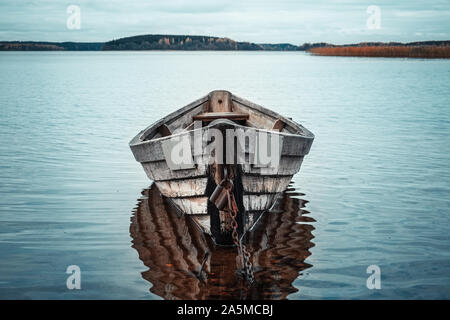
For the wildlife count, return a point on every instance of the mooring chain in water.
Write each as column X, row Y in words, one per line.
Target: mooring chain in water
column 248, row 264
column 224, row 200
column 243, row 252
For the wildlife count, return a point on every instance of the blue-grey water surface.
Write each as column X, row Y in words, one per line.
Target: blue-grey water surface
column 377, row 178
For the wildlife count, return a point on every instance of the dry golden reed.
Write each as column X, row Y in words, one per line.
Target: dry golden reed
column 385, row 51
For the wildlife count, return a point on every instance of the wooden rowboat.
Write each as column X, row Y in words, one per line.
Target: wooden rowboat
column 190, row 152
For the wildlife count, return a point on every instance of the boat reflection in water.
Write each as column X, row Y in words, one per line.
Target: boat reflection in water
column 185, row 264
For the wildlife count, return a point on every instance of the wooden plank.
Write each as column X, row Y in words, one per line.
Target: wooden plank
column 185, row 120
column 178, row 146
column 278, row 125
column 261, row 120
column 193, row 107
column 209, row 116
column 183, row 188
column 290, row 161
column 291, row 125
column 159, row 170
column 164, row 130
column 254, row 202
column 296, row 145
column 197, row 205
column 265, row 184
column 287, row 166
column 153, row 150
column 220, row 101
column 148, row 151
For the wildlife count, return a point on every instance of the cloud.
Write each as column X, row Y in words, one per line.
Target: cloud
column 257, row 21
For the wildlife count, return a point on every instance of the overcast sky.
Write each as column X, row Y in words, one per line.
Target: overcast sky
column 258, row 21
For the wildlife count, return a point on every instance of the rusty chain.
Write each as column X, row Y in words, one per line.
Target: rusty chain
column 242, row 249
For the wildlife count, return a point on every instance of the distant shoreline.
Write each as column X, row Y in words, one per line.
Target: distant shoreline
column 155, row 42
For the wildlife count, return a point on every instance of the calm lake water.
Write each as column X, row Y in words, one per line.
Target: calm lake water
column 376, row 182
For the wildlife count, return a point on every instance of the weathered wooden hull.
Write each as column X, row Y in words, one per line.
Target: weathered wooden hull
column 188, row 187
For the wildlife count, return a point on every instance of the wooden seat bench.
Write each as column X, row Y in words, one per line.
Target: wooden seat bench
column 210, row 116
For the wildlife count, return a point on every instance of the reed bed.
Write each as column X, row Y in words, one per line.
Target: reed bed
column 430, row 52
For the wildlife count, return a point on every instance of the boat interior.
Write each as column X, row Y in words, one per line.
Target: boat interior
column 221, row 105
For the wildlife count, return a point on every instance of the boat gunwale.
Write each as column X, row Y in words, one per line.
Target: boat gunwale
column 139, row 138
column 304, row 132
